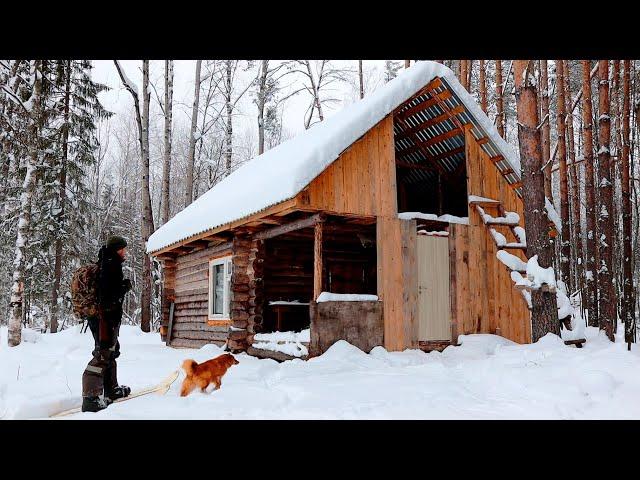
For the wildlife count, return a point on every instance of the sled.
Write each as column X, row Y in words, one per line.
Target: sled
column 161, row 388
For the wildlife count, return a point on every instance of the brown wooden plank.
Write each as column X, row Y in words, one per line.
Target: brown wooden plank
column 289, row 227
column 444, row 95
column 317, row 261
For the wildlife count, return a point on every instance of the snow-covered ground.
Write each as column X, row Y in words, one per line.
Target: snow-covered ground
column 487, row 377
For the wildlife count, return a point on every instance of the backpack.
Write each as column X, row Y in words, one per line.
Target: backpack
column 84, row 291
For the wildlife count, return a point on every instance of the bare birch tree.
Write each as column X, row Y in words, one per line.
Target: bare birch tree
column 188, row 195
column 166, row 164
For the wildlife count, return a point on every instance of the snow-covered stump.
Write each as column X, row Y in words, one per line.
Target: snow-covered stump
column 240, row 293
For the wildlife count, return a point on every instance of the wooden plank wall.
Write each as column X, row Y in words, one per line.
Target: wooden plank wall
column 362, row 180
column 190, row 328
column 485, row 300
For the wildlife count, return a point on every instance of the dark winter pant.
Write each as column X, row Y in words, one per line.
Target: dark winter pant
column 101, row 374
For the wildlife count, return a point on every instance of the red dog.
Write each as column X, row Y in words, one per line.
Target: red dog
column 201, row 375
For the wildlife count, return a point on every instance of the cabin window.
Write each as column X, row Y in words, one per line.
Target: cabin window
column 219, row 287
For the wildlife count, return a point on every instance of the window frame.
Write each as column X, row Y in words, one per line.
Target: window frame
column 226, row 291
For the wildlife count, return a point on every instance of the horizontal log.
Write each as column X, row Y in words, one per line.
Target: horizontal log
column 240, row 296
column 191, row 298
column 198, row 326
column 237, row 323
column 237, row 315
column 186, row 294
column 187, row 312
column 194, row 269
column 186, row 343
column 191, row 318
column 240, row 278
column 241, row 287
column 237, row 334
column 289, row 227
column 185, row 287
column 191, row 305
column 200, row 335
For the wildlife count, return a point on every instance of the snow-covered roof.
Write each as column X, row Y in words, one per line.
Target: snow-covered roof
column 284, row 171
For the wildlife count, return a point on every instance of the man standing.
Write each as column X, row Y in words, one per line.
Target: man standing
column 100, row 381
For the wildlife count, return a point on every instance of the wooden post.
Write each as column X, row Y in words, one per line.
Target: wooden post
column 317, row 260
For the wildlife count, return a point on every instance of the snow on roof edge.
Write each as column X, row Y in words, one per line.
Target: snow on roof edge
column 282, row 172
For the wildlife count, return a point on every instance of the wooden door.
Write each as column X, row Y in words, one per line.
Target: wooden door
column 434, row 316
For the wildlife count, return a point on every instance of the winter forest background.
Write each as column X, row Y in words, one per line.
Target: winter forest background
column 94, row 148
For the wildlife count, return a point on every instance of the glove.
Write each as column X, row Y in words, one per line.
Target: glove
column 126, row 285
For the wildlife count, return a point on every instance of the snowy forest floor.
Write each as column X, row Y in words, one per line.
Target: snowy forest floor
column 487, row 377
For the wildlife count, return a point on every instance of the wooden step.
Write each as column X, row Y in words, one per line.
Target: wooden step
column 483, row 201
column 513, row 246
column 502, row 221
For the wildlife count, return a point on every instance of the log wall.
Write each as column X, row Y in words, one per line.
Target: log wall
column 189, row 281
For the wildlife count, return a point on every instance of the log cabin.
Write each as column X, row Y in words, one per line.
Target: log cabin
column 405, row 206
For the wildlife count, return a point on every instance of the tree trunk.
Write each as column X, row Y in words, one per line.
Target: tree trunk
column 565, row 245
column 62, row 197
column 147, row 215
column 592, row 251
column 483, row 87
column 576, row 233
column 166, row 168
column 228, row 138
column 188, row 194
column 607, row 298
column 407, row 63
column 546, row 129
column 261, row 102
column 499, row 99
column 544, row 315
column 464, row 73
column 361, row 78
column 24, row 218
column 628, row 293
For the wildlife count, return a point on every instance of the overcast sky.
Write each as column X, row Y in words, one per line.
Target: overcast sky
column 118, row 99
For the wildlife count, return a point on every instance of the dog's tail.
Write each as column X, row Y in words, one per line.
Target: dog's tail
column 188, row 366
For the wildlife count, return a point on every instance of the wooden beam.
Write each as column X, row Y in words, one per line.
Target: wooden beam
column 446, row 94
column 497, row 158
column 433, row 121
column 427, row 89
column 483, row 140
column 317, row 261
column 289, row 227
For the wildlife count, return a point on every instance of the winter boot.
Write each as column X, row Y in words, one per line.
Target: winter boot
column 120, row 391
column 94, row 404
